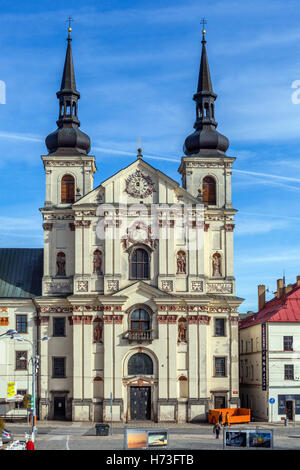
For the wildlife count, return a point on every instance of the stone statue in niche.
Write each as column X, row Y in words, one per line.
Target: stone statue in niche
column 61, row 264
column 216, row 265
column 182, row 330
column 98, row 332
column 97, row 262
column 181, row 262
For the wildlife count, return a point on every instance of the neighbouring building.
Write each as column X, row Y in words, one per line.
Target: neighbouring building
column 269, row 344
column 138, row 287
column 21, row 272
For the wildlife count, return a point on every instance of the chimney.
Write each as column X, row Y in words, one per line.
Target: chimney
column 288, row 288
column 279, row 288
column 298, row 281
column 261, row 296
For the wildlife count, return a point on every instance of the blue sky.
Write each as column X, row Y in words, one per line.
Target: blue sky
column 136, row 65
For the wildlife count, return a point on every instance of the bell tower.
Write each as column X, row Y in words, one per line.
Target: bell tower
column 206, row 174
column 69, row 173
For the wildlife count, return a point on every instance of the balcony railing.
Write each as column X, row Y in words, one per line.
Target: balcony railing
column 139, row 336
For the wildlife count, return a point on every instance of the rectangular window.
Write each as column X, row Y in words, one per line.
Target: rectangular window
column 289, row 372
column 21, row 360
column 59, row 326
column 21, row 323
column 288, row 343
column 220, row 366
column 58, row 367
column 220, row 327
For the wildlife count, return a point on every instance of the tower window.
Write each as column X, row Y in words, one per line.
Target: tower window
column 209, row 191
column 67, row 189
column 139, row 264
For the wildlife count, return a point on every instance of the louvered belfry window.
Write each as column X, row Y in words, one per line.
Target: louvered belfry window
column 209, row 191
column 67, row 189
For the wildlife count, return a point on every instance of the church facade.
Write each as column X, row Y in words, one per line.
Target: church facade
column 138, row 287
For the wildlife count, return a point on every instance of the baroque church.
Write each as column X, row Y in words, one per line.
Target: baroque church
column 137, row 286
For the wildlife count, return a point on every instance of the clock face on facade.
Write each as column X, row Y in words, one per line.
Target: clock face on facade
column 139, row 185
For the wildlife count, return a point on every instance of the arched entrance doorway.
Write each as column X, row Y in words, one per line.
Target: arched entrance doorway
column 140, row 370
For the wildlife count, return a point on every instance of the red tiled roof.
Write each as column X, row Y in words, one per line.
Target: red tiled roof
column 283, row 309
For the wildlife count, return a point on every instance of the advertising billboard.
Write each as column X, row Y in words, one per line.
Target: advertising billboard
column 145, row 439
column 248, row 438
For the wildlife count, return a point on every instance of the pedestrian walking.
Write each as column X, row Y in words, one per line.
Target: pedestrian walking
column 29, row 444
column 217, row 430
column 227, row 419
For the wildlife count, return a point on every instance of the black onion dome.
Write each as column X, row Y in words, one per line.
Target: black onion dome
column 68, row 139
column 206, row 138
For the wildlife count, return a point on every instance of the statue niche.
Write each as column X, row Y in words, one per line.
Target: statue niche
column 181, row 262
column 61, row 264
column 182, row 330
column 98, row 329
column 97, row 262
column 217, row 265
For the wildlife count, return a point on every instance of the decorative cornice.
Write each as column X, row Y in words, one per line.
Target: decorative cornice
column 48, row 227
column 82, row 223
column 229, row 227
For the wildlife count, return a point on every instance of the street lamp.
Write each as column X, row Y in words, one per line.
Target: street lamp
column 34, row 359
column 9, row 333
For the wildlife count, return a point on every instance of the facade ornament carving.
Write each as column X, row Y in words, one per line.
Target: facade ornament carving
column 118, row 319
column 139, row 232
column 192, row 319
column 197, row 286
column 162, row 319
column 203, row 320
column 58, row 287
column 229, row 227
column 167, row 286
column 219, row 288
column 234, row 319
column 82, row 223
column 112, row 285
column 72, row 227
column 171, row 318
column 47, row 227
column 139, row 185
column 82, row 286
column 108, row 319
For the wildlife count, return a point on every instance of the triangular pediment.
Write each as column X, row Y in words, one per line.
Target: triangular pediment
column 136, row 183
column 143, row 288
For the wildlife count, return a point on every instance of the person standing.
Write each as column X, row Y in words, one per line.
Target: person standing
column 221, row 418
column 29, row 444
column 217, row 430
column 227, row 419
